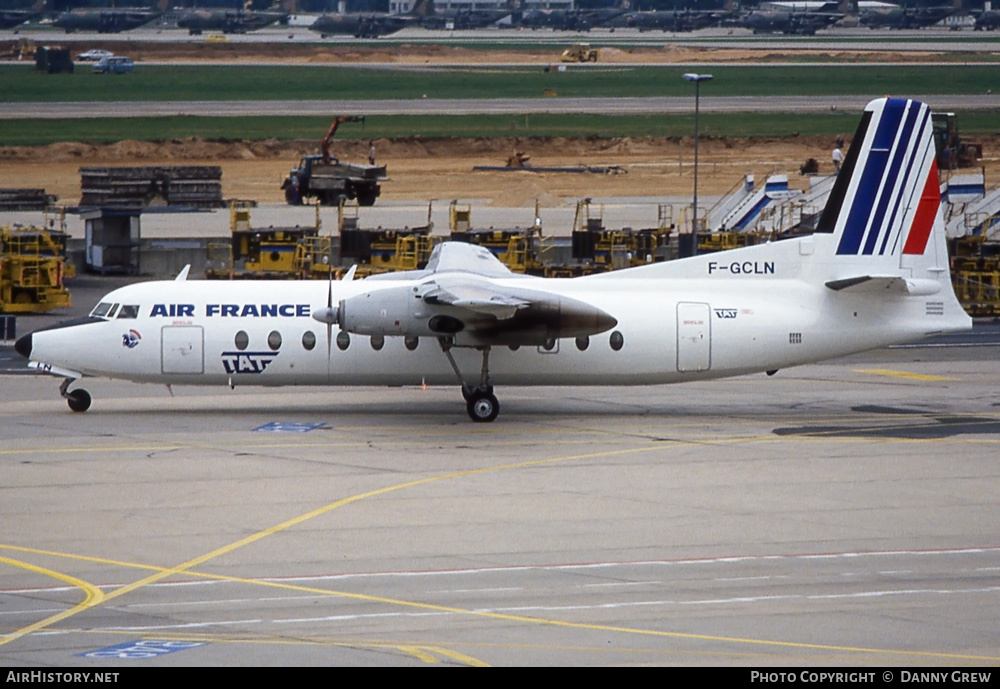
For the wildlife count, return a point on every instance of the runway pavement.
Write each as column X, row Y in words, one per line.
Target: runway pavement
column 936, row 39
column 479, row 106
column 838, row 514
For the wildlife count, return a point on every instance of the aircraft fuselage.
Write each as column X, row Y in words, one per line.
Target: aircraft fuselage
column 730, row 314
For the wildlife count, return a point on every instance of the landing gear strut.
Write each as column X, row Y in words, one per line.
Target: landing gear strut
column 480, row 402
column 78, row 400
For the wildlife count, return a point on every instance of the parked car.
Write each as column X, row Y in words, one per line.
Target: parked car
column 116, row 64
column 94, row 55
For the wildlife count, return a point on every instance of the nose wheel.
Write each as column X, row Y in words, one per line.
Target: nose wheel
column 78, row 400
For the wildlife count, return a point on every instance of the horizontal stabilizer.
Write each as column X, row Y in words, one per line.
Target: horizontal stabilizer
column 883, row 284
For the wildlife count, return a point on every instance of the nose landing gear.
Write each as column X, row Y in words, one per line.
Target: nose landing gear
column 78, row 400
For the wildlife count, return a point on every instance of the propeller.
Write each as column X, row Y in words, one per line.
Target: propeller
column 329, row 314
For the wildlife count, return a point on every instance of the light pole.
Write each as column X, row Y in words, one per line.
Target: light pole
column 692, row 250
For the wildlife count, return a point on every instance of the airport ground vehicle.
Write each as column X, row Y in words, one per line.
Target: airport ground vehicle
column 94, row 55
column 330, row 181
column 115, row 64
column 32, row 269
column 953, row 150
column 579, row 52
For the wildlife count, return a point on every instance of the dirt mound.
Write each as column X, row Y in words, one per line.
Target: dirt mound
column 313, row 53
column 496, row 149
column 421, row 169
column 492, row 149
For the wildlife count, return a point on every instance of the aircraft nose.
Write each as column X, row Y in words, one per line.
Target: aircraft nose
column 23, row 346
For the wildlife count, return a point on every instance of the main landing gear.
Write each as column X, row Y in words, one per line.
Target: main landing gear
column 481, row 404
column 78, row 400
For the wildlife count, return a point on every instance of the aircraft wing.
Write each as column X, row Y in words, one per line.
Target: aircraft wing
column 460, row 295
column 473, row 310
column 477, row 300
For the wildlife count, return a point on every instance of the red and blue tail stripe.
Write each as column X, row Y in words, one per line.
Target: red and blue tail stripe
column 894, row 183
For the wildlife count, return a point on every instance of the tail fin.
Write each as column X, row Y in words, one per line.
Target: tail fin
column 885, row 207
column 422, row 8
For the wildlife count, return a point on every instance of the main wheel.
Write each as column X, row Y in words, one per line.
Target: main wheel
column 469, row 394
column 78, row 400
column 483, row 407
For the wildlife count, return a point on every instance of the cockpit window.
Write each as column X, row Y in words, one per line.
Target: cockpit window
column 129, row 311
column 101, row 310
column 114, row 309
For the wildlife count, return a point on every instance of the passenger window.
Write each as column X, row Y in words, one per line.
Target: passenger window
column 242, row 340
column 308, row 340
column 274, row 340
column 343, row 341
column 129, row 311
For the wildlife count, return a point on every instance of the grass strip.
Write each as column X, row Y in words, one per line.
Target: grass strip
column 152, row 83
column 41, row 132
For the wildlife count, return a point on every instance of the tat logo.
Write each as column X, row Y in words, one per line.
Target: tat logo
column 247, row 362
column 725, row 313
column 131, row 339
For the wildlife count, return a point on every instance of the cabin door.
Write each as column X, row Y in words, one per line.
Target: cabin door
column 694, row 337
column 183, row 349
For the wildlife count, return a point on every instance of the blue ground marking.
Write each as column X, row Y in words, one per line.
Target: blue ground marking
column 140, row 650
column 288, row 427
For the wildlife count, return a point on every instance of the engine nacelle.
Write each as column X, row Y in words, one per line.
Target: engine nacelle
column 535, row 318
column 399, row 311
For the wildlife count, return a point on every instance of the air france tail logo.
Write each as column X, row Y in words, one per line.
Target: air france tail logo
column 898, row 174
column 247, row 362
column 131, row 339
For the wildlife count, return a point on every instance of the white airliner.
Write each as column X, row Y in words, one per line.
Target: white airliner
column 875, row 273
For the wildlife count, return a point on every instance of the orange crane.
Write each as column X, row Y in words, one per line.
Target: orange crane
column 325, row 145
